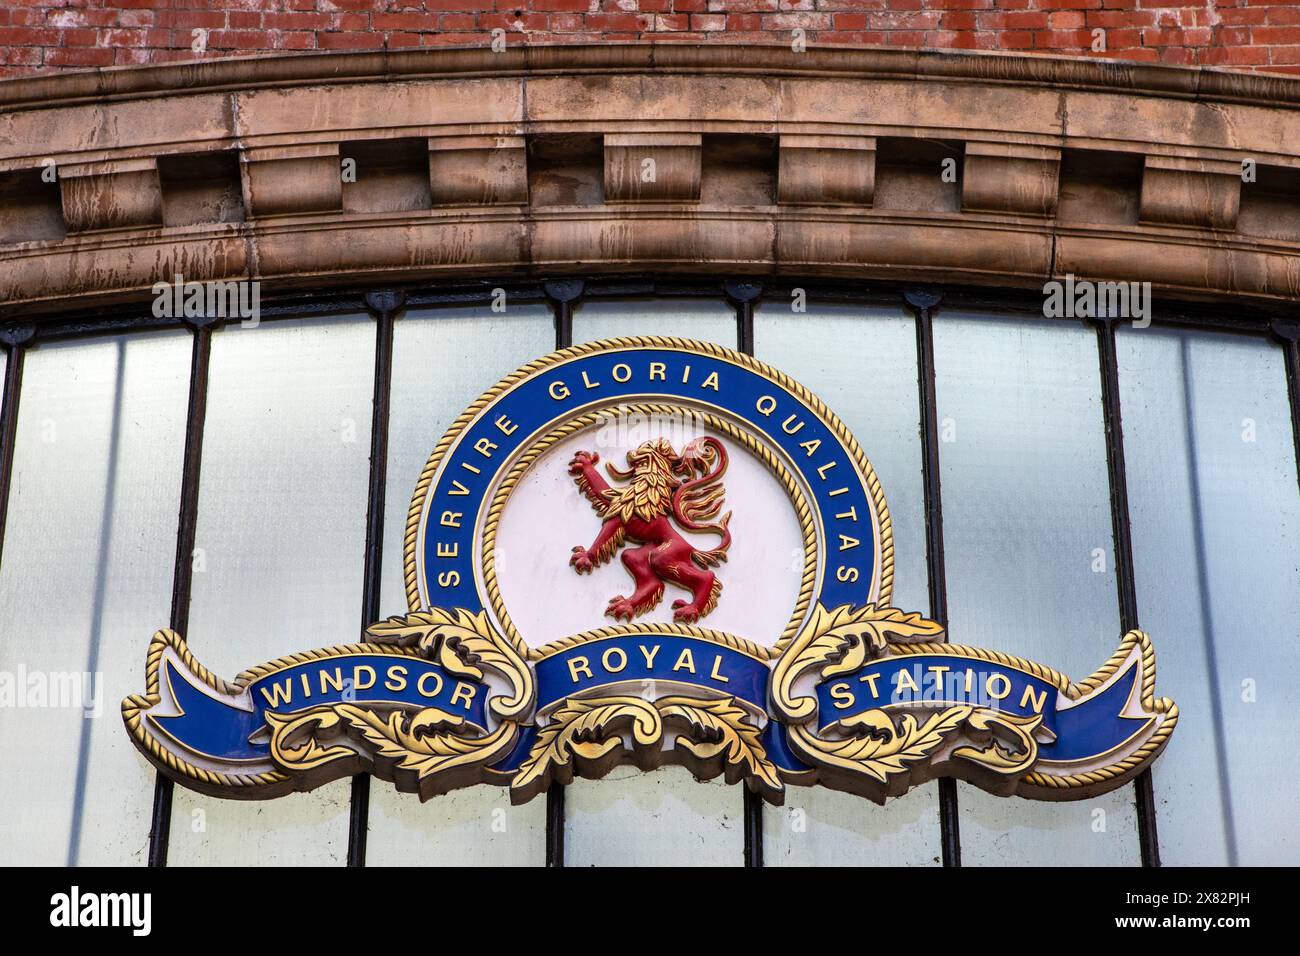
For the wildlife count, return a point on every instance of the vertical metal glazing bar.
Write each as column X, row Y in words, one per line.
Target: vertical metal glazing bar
column 922, row 303
column 1288, row 333
column 384, row 306
column 743, row 295
column 1144, row 795
column 17, row 338
column 182, row 571
column 562, row 294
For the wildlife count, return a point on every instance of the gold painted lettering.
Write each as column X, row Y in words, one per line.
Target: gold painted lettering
column 717, row 662
column 1006, row 686
column 433, row 676
column 609, row 656
column 842, row 694
column 464, row 693
column 579, row 665
column 1034, row 703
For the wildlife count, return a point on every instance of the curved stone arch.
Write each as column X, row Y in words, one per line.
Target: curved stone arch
column 766, row 162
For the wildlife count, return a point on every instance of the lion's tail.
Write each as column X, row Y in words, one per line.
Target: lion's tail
column 714, row 557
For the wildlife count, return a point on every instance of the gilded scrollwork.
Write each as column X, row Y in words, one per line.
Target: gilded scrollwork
column 430, row 750
column 585, row 736
column 878, row 745
column 722, row 742
column 464, row 644
column 588, row 736
column 839, row 641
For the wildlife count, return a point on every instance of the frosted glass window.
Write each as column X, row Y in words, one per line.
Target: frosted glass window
column 279, row 551
column 1028, row 549
column 86, row 578
column 711, row 320
column 609, row 819
column 443, row 359
column 663, row 818
column 472, row 827
column 1216, row 541
column 861, row 361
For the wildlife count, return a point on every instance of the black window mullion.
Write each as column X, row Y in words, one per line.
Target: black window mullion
column 384, row 306
column 922, row 303
column 17, row 337
column 183, row 568
column 561, row 294
column 1288, row 333
column 743, row 296
column 1125, row 583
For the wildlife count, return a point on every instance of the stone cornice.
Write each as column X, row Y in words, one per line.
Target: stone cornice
column 535, row 161
column 212, row 75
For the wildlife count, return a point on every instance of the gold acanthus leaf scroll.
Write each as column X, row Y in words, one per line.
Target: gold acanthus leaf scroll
column 586, row 736
column 840, row 641
column 435, row 748
column 464, row 644
column 876, row 747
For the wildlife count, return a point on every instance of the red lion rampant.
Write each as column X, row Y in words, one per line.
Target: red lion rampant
column 663, row 487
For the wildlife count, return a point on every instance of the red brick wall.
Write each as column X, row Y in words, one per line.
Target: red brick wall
column 42, row 35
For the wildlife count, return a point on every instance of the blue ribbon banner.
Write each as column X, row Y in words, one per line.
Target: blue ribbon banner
column 645, row 660
column 1086, row 728
column 233, row 728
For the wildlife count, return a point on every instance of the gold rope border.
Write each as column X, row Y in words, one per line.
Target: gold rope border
column 1163, row 708
column 133, row 707
column 769, row 458
column 817, row 406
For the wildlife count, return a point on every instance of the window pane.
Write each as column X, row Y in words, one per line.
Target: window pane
column 443, row 360
column 711, row 320
column 1216, row 519
column 630, row 817
column 662, row 818
column 1028, row 549
column 279, row 551
column 861, row 361
column 87, row 575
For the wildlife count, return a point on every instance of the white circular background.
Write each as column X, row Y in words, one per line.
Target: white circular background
column 546, row 516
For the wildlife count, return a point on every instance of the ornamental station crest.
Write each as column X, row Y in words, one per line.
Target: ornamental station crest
column 726, row 607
